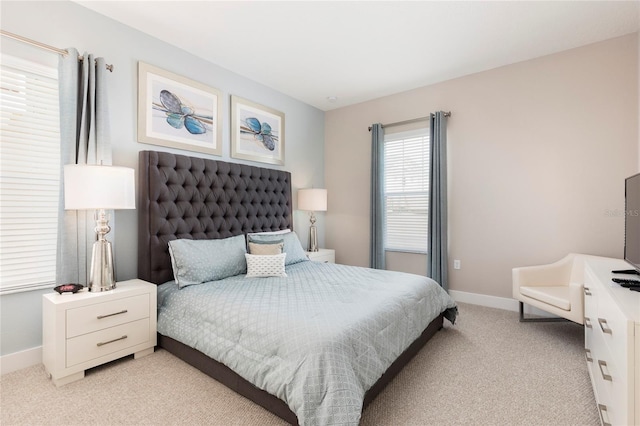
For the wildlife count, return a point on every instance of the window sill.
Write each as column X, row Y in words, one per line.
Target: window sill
column 405, row 251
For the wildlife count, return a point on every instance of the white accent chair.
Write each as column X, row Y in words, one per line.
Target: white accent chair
column 557, row 288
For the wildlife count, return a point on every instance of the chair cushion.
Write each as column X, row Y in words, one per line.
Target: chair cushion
column 555, row 296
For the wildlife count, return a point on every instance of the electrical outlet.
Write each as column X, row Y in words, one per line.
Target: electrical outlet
column 456, row 264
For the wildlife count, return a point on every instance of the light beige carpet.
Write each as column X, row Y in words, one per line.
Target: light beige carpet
column 488, row 369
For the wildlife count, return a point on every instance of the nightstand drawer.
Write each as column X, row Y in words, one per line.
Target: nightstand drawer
column 88, row 319
column 94, row 345
column 322, row 255
column 85, row 329
column 323, row 259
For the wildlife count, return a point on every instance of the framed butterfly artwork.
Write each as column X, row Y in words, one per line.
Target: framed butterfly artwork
column 178, row 112
column 257, row 132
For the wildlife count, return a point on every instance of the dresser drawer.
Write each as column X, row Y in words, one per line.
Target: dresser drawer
column 610, row 384
column 592, row 343
column 611, row 313
column 103, row 342
column 614, row 328
column 88, row 319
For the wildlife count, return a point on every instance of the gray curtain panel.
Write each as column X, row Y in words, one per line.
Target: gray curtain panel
column 437, row 258
column 376, row 250
column 84, row 139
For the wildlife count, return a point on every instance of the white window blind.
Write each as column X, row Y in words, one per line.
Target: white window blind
column 29, row 175
column 406, row 188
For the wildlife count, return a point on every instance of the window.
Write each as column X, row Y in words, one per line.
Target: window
column 29, row 175
column 406, row 190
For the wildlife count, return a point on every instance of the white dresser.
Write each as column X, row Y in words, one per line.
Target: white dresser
column 86, row 329
column 612, row 342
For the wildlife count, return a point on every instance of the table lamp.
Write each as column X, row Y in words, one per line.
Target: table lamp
column 99, row 188
column 312, row 200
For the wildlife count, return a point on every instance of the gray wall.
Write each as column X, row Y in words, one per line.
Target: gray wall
column 66, row 24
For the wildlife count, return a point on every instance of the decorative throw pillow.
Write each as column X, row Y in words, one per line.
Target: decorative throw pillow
column 252, row 234
column 266, row 247
column 292, row 247
column 200, row 261
column 280, row 232
column 265, row 266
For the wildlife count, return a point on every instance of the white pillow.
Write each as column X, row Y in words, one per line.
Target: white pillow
column 265, row 265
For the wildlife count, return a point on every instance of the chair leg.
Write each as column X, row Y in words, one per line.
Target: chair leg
column 544, row 319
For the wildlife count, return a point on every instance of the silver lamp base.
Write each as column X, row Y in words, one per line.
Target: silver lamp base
column 313, row 234
column 103, row 276
column 313, row 238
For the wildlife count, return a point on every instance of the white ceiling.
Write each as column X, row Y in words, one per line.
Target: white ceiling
column 362, row 50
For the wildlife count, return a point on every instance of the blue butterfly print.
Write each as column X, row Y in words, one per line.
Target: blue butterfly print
column 260, row 131
column 180, row 115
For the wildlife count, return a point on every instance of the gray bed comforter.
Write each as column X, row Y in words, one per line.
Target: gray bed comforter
column 318, row 339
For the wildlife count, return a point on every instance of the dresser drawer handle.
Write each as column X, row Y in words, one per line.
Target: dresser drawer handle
column 124, row 311
column 587, row 322
column 588, row 355
column 587, row 291
column 603, row 410
column 604, row 326
column 111, row 341
column 602, row 364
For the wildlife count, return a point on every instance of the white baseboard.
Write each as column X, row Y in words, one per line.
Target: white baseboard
column 495, row 302
column 20, row 360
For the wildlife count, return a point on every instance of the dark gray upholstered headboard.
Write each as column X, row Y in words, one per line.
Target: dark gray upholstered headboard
column 196, row 198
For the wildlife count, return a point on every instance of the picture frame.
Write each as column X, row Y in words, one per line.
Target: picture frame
column 177, row 112
column 257, row 132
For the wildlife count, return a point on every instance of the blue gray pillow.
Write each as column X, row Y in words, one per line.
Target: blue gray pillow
column 292, row 247
column 200, row 261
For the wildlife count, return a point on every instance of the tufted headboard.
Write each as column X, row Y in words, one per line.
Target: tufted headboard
column 196, row 198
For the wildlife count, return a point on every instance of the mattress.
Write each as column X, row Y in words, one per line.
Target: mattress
column 317, row 339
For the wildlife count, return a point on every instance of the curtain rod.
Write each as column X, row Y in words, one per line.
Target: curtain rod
column 413, row 120
column 62, row 52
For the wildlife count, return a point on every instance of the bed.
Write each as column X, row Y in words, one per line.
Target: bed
column 306, row 346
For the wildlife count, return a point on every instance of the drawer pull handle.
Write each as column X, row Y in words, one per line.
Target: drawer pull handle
column 111, row 341
column 588, row 355
column 587, row 322
column 587, row 291
column 603, row 410
column 124, row 311
column 604, row 326
column 603, row 365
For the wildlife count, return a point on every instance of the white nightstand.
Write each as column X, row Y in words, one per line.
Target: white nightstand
column 86, row 329
column 322, row 255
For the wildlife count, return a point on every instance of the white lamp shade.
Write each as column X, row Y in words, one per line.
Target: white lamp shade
column 313, row 199
column 90, row 187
